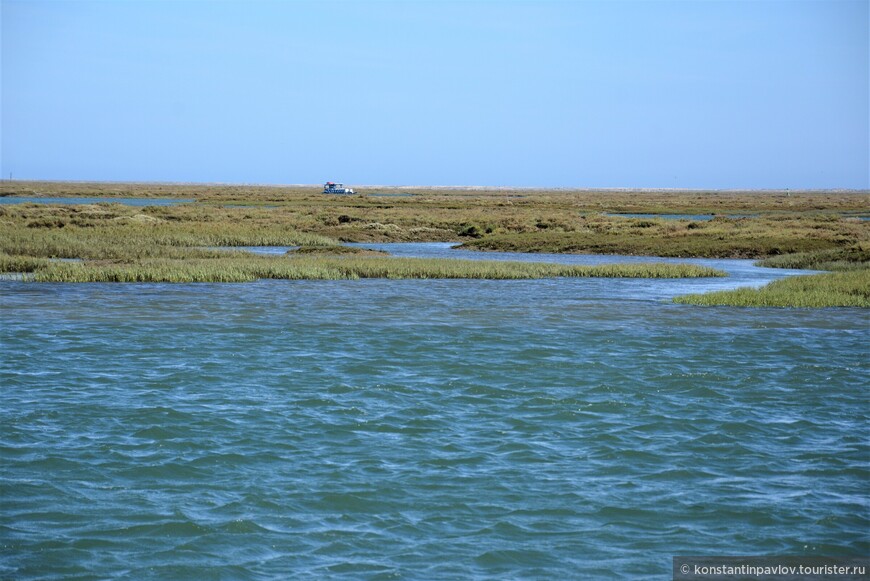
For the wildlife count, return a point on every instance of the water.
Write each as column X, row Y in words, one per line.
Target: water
column 78, row 200
column 379, row 429
column 740, row 272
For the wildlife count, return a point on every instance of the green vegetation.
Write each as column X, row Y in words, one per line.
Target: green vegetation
column 336, row 250
column 495, row 200
column 113, row 231
column 21, row 263
column 524, row 220
column 119, row 243
column 817, row 230
column 718, row 238
column 852, row 258
column 837, row 289
column 249, row 268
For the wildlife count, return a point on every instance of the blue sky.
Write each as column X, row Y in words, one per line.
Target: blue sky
column 692, row 94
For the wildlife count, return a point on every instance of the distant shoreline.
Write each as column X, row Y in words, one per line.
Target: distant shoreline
column 449, row 188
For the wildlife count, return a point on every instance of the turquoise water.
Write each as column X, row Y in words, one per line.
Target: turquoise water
column 78, row 200
column 434, row 429
column 740, row 272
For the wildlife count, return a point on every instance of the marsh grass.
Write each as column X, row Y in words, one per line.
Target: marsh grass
column 121, row 244
column 527, row 220
column 589, row 200
column 752, row 237
column 336, row 251
column 115, row 232
column 852, row 258
column 836, row 289
column 524, row 220
column 21, row 263
column 249, row 268
column 181, row 242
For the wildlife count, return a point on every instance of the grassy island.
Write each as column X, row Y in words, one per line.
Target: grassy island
column 109, row 242
column 839, row 289
column 253, row 267
column 823, row 230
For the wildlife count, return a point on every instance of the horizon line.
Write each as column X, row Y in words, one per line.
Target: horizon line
column 447, row 187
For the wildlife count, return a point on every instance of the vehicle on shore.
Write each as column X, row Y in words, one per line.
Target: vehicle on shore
column 334, row 188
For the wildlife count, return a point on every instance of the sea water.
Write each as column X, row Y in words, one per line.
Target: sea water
column 375, row 429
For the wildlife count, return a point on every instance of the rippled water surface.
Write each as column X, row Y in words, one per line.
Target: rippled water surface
column 422, row 429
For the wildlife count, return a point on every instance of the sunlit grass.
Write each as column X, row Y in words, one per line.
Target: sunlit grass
column 495, row 219
column 837, row 289
column 851, row 258
column 114, row 241
column 179, row 243
column 752, row 237
column 344, row 268
column 21, row 263
column 535, row 199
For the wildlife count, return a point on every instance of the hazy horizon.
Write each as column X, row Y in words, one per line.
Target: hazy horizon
column 482, row 187
column 587, row 95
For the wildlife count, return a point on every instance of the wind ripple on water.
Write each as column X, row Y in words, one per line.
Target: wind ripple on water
column 371, row 428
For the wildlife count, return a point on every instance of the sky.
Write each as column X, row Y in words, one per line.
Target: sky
column 617, row 94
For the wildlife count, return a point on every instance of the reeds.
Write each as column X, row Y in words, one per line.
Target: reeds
column 851, row 258
column 838, row 289
column 177, row 243
column 236, row 269
column 752, row 237
column 21, row 263
column 503, row 219
column 536, row 199
column 114, row 232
